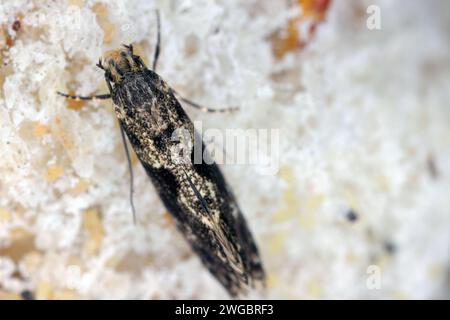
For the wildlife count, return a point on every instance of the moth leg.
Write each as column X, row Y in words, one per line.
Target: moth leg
column 130, row 169
column 75, row 97
column 202, row 108
column 158, row 40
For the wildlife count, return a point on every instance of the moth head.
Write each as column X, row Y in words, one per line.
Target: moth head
column 117, row 63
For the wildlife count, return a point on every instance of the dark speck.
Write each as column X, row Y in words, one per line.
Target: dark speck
column 351, row 215
column 27, row 295
column 390, row 247
column 431, row 165
column 16, row 25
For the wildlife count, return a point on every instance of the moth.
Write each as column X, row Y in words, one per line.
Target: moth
column 196, row 194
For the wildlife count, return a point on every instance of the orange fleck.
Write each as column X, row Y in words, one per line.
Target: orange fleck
column 168, row 219
column 40, row 130
column 313, row 11
column 54, row 173
column 9, row 41
column 283, row 44
column 314, row 8
column 75, row 104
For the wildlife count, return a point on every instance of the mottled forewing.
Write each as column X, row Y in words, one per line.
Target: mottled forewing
column 196, row 195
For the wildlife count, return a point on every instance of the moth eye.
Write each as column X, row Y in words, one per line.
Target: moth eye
column 123, row 54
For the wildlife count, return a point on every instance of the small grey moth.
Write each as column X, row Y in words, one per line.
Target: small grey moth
column 195, row 194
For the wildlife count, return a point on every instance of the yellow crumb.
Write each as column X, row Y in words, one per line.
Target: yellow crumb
column 113, row 261
column 78, row 3
column 93, row 226
column 4, row 215
column 383, row 183
column 277, row 242
column 314, row 202
column 65, row 295
column 32, row 260
column 44, row 291
column 400, row 295
column 282, row 215
column 307, row 220
column 351, row 257
column 80, row 187
column 290, row 198
column 437, row 271
column 287, row 174
column 272, row 281
column 314, row 289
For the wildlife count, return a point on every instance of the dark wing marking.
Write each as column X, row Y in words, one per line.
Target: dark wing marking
column 197, row 193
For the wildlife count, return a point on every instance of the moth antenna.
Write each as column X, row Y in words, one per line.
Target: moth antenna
column 76, row 97
column 158, row 41
column 129, row 47
column 99, row 64
column 130, row 169
column 202, row 108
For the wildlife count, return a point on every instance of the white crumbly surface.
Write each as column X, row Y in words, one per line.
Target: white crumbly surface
column 364, row 122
